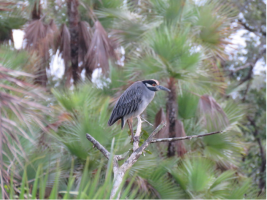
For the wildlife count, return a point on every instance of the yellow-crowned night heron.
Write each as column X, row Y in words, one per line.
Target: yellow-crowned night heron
column 134, row 101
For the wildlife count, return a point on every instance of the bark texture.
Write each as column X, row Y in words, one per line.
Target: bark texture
column 73, row 16
column 172, row 108
column 119, row 171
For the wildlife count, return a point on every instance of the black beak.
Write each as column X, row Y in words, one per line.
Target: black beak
column 162, row 88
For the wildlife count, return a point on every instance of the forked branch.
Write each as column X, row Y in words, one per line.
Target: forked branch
column 119, row 172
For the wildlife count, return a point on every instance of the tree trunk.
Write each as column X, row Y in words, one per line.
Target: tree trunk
column 262, row 183
column 172, row 108
column 73, row 16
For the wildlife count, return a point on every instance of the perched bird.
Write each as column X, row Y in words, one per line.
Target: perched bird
column 134, row 101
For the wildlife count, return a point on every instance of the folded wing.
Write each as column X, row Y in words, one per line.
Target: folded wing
column 127, row 103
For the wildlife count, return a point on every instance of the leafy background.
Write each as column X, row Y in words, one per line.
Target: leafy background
column 216, row 84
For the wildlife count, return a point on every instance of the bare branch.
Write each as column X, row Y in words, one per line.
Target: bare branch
column 247, row 27
column 247, row 65
column 120, row 172
column 98, row 145
column 103, row 150
column 136, row 154
column 184, row 138
column 123, row 156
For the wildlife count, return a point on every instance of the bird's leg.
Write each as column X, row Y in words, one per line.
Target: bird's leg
column 137, row 134
column 130, row 124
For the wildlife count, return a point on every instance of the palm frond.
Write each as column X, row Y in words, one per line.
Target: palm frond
column 63, row 45
column 199, row 179
column 85, row 37
column 180, row 132
column 101, row 50
column 213, row 20
column 211, row 114
column 22, row 115
column 36, row 11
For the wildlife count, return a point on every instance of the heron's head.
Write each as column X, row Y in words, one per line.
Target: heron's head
column 153, row 85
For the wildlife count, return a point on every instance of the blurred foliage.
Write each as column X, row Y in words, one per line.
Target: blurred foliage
column 45, row 153
column 13, row 15
column 96, row 185
column 247, row 73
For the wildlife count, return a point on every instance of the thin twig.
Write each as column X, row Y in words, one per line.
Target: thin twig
column 147, row 121
column 247, row 65
column 247, row 27
column 183, row 138
column 103, row 150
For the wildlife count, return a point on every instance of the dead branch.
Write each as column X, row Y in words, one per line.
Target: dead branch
column 119, row 172
column 247, row 27
column 183, row 138
column 98, row 145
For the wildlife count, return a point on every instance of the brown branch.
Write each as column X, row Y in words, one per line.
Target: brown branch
column 247, row 65
column 184, row 138
column 246, row 91
column 252, row 65
column 247, row 27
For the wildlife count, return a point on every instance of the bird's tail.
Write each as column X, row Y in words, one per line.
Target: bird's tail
column 113, row 118
column 111, row 121
column 122, row 123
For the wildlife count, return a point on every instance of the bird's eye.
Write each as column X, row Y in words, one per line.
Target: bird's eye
column 154, row 84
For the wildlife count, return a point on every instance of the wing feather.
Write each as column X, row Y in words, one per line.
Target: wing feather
column 127, row 103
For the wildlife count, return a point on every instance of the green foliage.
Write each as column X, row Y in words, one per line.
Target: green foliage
column 84, row 105
column 199, row 179
column 190, row 103
column 248, row 85
column 93, row 185
column 185, row 40
column 170, row 10
column 12, row 16
column 7, row 55
column 173, row 49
